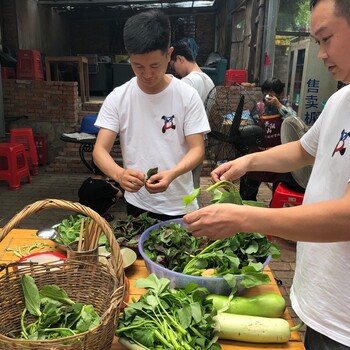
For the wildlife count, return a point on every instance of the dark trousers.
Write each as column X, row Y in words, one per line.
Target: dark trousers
column 318, row 341
column 135, row 211
column 249, row 187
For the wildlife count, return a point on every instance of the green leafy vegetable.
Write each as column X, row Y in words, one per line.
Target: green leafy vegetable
column 56, row 315
column 172, row 247
column 151, row 172
column 129, row 230
column 69, row 230
column 31, row 295
column 189, row 199
column 241, row 255
column 166, row 318
column 231, row 195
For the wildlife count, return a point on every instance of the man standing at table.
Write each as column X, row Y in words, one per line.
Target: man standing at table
column 186, row 67
column 160, row 122
column 320, row 291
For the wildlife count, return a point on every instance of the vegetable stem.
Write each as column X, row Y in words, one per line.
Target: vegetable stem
column 60, row 330
column 162, row 339
column 210, row 247
column 222, row 183
column 23, row 327
column 297, row 327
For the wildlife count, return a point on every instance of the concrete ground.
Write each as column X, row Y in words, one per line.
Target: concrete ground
column 65, row 186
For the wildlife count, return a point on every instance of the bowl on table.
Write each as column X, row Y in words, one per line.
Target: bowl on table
column 215, row 285
column 40, row 258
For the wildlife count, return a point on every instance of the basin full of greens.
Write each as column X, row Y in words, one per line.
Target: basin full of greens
column 222, row 266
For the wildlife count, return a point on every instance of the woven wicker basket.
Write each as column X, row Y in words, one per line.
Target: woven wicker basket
column 102, row 285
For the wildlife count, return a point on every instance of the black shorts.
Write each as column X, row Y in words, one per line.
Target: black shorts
column 135, row 211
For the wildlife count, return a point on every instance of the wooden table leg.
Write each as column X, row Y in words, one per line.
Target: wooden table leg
column 82, row 81
column 48, row 70
column 86, row 79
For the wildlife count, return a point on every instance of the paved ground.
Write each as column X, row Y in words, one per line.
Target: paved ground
column 65, row 186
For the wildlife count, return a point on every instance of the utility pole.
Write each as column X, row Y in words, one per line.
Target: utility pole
column 269, row 39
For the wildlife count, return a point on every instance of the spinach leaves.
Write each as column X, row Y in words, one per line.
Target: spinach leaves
column 166, row 318
column 69, row 230
column 128, row 231
column 55, row 314
column 240, row 255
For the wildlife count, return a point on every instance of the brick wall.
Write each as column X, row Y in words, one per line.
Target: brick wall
column 205, row 36
column 56, row 101
column 49, row 108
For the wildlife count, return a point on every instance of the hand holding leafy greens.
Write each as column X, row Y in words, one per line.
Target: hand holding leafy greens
column 242, row 254
column 151, row 172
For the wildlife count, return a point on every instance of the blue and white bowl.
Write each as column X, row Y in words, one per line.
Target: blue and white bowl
column 215, row 285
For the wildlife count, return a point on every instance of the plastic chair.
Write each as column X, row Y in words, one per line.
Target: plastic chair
column 13, row 164
column 26, row 137
column 218, row 73
column 285, row 195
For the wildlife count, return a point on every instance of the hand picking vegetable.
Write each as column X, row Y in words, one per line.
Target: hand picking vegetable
column 50, row 313
column 166, row 318
column 254, row 329
column 264, row 305
column 151, row 172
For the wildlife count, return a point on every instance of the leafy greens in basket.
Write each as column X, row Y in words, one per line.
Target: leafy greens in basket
column 49, row 313
column 69, row 230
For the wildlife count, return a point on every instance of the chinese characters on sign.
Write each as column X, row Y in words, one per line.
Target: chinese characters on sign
column 312, row 102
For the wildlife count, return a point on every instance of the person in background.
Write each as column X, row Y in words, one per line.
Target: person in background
column 273, row 109
column 320, row 291
column 185, row 66
column 160, row 121
column 180, row 35
column 99, row 193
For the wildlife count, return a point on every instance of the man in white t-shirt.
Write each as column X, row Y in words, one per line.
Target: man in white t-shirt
column 320, row 291
column 183, row 63
column 186, row 67
column 160, row 122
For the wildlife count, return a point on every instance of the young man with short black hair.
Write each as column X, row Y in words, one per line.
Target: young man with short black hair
column 160, row 122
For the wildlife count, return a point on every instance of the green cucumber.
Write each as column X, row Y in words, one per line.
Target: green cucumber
column 264, row 305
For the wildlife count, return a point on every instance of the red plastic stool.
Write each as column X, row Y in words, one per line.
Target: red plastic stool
column 13, row 164
column 26, row 137
column 284, row 195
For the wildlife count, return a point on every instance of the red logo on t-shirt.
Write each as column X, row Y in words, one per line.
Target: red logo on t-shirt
column 168, row 123
column 340, row 147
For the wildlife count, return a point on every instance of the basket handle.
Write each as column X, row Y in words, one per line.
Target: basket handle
column 117, row 261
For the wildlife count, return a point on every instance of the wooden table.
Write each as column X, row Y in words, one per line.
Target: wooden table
column 21, row 237
column 83, row 71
